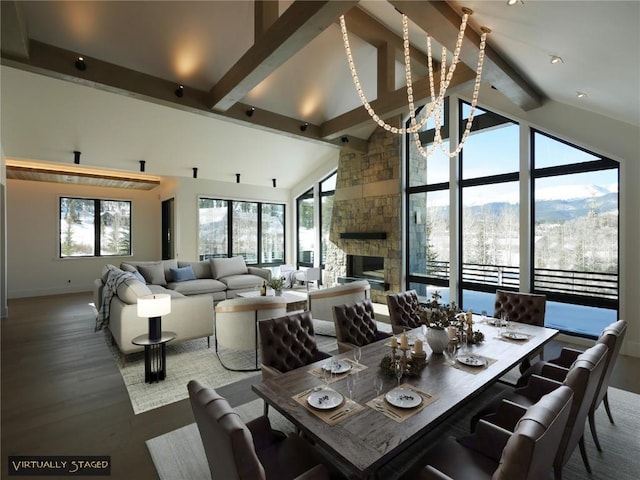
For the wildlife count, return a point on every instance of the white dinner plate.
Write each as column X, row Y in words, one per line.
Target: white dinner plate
column 340, row 366
column 403, row 398
column 515, row 335
column 325, row 399
column 472, row 360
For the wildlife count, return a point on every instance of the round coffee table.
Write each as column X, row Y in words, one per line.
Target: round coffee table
column 155, row 358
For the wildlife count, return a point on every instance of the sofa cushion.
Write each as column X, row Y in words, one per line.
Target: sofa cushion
column 236, row 282
column 197, row 286
column 130, row 289
column 167, row 265
column 182, row 274
column 201, row 269
column 159, row 289
column 153, row 273
column 225, row 267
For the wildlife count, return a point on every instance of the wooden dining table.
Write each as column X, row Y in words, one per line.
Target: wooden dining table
column 367, row 440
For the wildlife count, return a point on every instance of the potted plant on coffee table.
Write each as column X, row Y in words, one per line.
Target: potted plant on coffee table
column 276, row 283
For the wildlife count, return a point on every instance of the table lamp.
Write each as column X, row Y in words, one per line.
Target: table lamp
column 153, row 307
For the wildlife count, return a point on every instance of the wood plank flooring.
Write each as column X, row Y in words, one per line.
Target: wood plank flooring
column 62, row 393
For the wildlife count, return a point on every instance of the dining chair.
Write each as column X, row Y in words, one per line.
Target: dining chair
column 612, row 336
column 491, row 452
column 321, row 302
column 249, row 451
column 403, row 308
column 522, row 307
column 287, row 343
column 583, row 378
column 236, row 326
column 356, row 325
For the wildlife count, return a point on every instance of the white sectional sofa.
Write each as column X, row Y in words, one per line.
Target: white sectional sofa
column 193, row 289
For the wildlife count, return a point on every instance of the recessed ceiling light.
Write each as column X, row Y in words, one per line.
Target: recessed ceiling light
column 581, row 95
column 555, row 59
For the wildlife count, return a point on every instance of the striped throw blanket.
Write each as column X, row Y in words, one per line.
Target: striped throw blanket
column 114, row 279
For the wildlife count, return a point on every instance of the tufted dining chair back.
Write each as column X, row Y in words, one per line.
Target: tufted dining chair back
column 521, row 307
column 402, row 310
column 355, row 325
column 287, row 343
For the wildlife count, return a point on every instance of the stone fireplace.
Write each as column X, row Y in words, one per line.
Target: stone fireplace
column 366, row 213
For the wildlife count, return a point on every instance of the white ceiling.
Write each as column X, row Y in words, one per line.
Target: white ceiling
column 196, row 43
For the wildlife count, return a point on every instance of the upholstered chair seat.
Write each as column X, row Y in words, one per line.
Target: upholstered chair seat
column 612, row 336
column 321, row 301
column 403, row 307
column 583, row 378
column 355, row 325
column 524, row 453
column 521, row 307
column 287, row 343
column 237, row 450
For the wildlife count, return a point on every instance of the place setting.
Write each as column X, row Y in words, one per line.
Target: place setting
column 463, row 359
column 401, row 402
column 338, row 368
column 328, row 404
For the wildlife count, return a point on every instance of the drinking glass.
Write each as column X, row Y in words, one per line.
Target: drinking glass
column 351, row 384
column 377, row 384
column 463, row 341
column 357, row 354
column 451, row 350
column 399, row 371
column 326, row 373
column 504, row 322
column 484, row 316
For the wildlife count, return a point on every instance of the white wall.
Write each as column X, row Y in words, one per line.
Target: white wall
column 34, row 267
column 4, row 309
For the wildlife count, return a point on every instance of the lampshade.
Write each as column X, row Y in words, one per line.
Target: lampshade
column 154, row 305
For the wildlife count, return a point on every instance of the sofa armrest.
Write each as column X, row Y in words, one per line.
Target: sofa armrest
column 261, row 272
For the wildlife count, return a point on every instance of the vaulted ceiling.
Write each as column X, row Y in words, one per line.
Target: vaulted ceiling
column 285, row 62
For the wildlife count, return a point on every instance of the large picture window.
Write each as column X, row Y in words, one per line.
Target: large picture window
column 252, row 230
column 306, row 230
column 94, row 227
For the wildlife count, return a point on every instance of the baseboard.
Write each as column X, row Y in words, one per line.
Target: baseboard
column 43, row 292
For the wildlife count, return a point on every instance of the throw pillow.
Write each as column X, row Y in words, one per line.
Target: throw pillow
column 138, row 275
column 223, row 267
column 182, row 274
column 153, row 273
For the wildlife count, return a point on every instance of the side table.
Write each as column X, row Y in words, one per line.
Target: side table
column 155, row 358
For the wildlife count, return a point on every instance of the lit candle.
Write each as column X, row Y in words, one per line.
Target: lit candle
column 452, row 332
column 417, row 347
column 404, row 341
column 394, row 342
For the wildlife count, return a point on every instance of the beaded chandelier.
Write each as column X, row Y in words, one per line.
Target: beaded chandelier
column 435, row 109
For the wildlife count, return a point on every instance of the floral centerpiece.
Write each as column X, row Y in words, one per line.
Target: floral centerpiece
column 277, row 283
column 438, row 316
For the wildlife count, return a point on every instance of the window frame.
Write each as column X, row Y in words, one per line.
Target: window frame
column 97, row 243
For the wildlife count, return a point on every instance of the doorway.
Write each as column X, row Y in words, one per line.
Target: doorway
column 168, row 227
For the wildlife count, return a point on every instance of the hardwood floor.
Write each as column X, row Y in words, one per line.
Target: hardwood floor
column 62, row 393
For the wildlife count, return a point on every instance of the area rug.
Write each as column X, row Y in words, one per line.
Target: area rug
column 179, row 453
column 190, row 360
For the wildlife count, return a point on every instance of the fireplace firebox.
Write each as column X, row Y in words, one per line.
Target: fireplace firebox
column 361, row 267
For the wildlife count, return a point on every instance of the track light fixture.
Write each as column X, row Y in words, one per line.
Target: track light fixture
column 142, row 162
column 556, row 59
column 76, row 157
column 250, row 112
column 273, row 181
column 304, row 126
column 179, row 91
column 344, row 139
column 195, row 172
column 80, row 65
column 237, row 178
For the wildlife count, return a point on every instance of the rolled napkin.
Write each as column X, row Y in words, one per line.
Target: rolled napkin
column 417, row 346
column 404, row 341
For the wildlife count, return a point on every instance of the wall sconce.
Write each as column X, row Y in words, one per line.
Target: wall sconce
column 76, row 157
column 250, row 112
column 237, row 178
column 80, row 65
column 195, row 172
column 273, row 181
column 153, row 307
column 344, row 139
column 179, row 91
column 303, row 127
column 142, row 162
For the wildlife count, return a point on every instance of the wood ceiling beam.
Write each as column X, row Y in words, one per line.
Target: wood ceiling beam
column 442, row 22
column 265, row 14
column 367, row 28
column 14, row 37
column 297, row 26
column 392, row 103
